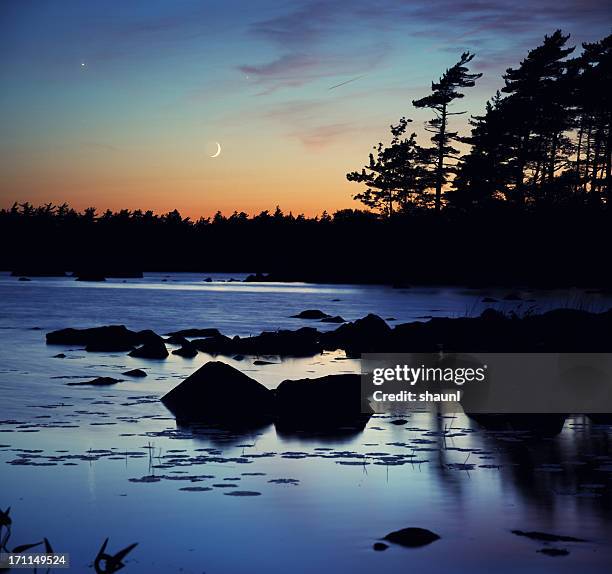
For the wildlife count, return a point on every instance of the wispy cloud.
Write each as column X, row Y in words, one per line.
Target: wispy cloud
column 311, row 36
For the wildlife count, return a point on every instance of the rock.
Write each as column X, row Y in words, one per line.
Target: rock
column 335, row 319
column 59, row 356
column 380, row 546
column 177, row 340
column 187, row 350
column 301, row 343
column 219, row 392
column 361, row 336
column 259, row 362
column 330, row 401
column 153, row 348
column 195, row 333
column 311, row 314
column 135, row 373
column 99, row 382
column 108, row 338
column 545, row 537
column 412, row 537
column 207, row 280
column 553, row 551
column 24, row 279
column 399, row 422
column 215, row 345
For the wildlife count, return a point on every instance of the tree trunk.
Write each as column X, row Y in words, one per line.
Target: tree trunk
column 440, row 170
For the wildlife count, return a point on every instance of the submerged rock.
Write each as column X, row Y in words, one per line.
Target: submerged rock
column 553, row 551
column 412, row 537
column 187, row 350
column 311, row 314
column 135, row 373
column 335, row 319
column 153, row 348
column 219, row 392
column 99, row 381
column 545, row 537
column 380, row 546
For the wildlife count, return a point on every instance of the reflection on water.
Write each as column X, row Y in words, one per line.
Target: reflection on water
column 79, row 464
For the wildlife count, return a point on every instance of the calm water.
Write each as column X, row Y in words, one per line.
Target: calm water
column 72, row 459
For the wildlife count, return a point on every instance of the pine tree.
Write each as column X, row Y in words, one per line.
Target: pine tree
column 396, row 176
column 444, row 92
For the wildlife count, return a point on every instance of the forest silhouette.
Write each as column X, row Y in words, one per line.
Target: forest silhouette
column 524, row 198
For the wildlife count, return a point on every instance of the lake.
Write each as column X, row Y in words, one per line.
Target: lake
column 79, row 464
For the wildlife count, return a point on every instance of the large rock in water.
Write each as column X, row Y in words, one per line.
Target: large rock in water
column 153, row 347
column 217, row 392
column 325, row 402
column 109, row 338
column 370, row 334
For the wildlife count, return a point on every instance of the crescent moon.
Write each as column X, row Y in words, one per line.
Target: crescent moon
column 218, row 152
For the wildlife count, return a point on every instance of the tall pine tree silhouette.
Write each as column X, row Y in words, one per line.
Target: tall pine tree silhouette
column 444, row 92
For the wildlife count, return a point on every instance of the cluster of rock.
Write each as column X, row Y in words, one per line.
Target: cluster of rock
column 217, row 392
column 561, row 330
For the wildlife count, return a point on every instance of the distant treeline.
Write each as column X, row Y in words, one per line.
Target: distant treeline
column 505, row 245
column 529, row 202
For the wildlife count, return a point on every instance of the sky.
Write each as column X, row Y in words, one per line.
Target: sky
column 120, row 104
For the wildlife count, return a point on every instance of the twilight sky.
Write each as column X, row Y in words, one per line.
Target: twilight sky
column 119, row 103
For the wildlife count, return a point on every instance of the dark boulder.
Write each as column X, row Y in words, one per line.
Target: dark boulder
column 311, row 314
column 301, row 343
column 215, row 345
column 153, row 348
column 98, row 382
column 187, row 350
column 24, row 279
column 365, row 335
column 412, row 537
column 177, row 340
column 108, row 338
column 380, row 546
column 330, row 401
column 135, row 373
column 335, row 319
column 219, row 392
